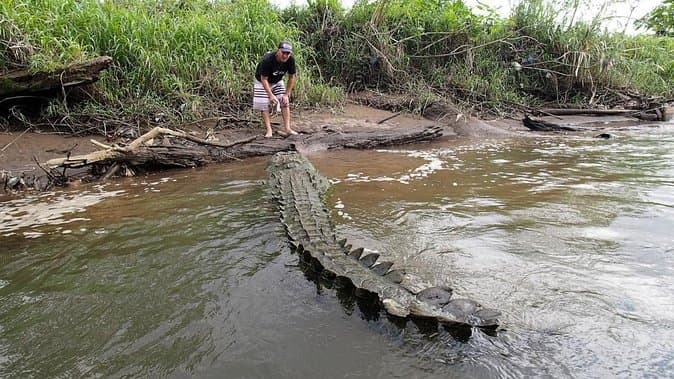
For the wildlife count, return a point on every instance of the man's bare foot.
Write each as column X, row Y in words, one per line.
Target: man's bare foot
column 291, row 132
column 268, row 135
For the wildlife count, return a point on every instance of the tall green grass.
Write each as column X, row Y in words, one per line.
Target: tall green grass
column 541, row 53
column 180, row 60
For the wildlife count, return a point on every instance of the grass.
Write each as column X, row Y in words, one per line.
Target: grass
column 178, row 60
column 183, row 60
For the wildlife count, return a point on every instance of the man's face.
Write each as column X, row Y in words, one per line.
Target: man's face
column 282, row 56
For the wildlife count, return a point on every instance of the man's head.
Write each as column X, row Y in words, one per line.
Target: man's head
column 285, row 49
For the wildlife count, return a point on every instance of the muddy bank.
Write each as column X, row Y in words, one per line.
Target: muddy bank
column 354, row 126
column 20, row 150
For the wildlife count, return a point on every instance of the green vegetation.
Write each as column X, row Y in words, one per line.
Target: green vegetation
column 174, row 60
column 442, row 49
column 660, row 19
column 177, row 60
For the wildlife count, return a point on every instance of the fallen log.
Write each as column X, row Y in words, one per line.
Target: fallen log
column 141, row 152
column 23, row 81
column 328, row 139
column 655, row 114
column 180, row 149
column 545, row 126
column 599, row 112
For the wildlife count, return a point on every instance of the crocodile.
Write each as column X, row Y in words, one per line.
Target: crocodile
column 300, row 191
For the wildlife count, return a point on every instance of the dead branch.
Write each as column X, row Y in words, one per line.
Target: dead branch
column 389, row 118
column 111, row 171
column 23, row 81
column 139, row 150
column 14, row 140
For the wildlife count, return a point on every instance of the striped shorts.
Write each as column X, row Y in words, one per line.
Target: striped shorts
column 260, row 97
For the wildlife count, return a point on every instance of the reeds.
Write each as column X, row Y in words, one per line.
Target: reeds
column 541, row 53
column 181, row 60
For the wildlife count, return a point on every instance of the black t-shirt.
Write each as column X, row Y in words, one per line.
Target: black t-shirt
column 273, row 69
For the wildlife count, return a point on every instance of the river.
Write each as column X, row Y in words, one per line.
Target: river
column 189, row 273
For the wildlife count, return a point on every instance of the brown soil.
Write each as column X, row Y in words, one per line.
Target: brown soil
column 20, row 148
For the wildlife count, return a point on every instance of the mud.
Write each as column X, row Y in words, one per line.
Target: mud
column 18, row 149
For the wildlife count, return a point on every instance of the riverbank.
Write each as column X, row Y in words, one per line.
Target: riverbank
column 21, row 150
column 353, row 125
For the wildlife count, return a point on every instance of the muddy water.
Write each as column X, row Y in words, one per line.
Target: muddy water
column 189, row 274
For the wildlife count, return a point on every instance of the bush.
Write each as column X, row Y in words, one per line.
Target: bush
column 183, row 59
column 189, row 59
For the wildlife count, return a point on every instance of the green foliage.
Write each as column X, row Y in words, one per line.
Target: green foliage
column 187, row 59
column 382, row 43
column 14, row 49
column 577, row 62
column 660, row 19
column 181, row 58
column 646, row 64
column 406, row 47
column 321, row 95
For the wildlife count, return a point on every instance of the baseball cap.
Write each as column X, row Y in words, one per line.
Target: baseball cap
column 285, row 46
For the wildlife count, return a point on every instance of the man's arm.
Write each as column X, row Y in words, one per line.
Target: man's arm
column 289, row 88
column 265, row 83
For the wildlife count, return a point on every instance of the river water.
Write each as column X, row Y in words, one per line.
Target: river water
column 189, row 274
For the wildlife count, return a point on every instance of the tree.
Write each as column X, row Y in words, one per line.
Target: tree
column 660, row 19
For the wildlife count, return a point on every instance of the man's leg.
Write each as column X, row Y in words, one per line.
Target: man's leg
column 285, row 112
column 279, row 89
column 266, row 120
column 261, row 103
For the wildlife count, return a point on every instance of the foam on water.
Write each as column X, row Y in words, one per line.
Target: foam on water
column 54, row 208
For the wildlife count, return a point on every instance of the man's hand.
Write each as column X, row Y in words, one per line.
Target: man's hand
column 285, row 100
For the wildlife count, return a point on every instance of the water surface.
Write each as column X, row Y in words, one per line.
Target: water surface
column 189, row 273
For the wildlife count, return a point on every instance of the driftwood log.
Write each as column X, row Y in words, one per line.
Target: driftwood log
column 144, row 150
column 655, row 114
column 546, row 126
column 23, row 82
column 169, row 148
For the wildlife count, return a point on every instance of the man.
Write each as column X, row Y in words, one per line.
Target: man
column 269, row 89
